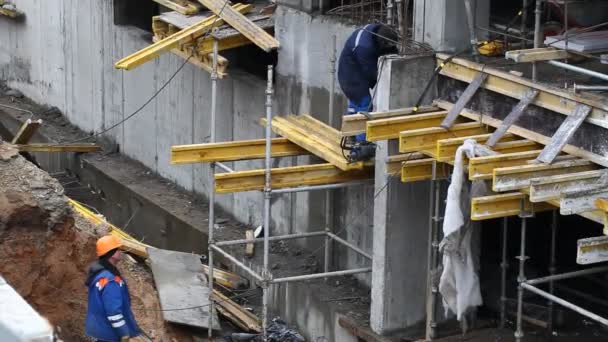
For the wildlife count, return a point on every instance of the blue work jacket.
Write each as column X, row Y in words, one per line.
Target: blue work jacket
column 109, row 315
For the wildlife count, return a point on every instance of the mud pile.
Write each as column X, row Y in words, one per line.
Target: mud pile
column 46, row 248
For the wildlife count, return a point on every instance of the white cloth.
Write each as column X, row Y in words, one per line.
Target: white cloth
column 459, row 282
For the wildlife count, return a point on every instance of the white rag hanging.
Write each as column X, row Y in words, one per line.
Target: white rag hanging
column 459, row 282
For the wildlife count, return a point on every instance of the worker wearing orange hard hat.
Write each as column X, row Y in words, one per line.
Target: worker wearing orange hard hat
column 109, row 316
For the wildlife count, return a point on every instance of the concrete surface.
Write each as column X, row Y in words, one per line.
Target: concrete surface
column 181, row 283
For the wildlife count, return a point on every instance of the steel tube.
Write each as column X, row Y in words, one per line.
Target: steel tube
column 238, row 263
column 537, row 34
column 568, row 275
column 521, row 278
column 321, row 275
column 524, row 18
column 566, row 304
column 267, row 196
column 272, row 238
column 349, row 245
column 579, row 70
column 319, row 187
column 211, row 218
column 578, row 87
column 503, row 33
column 470, row 9
column 552, row 268
column 224, row 167
column 432, row 290
column 329, row 198
column 504, row 266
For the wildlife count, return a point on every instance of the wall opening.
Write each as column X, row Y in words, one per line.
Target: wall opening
column 136, row 13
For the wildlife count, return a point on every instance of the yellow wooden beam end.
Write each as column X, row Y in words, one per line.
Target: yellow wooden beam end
column 204, row 62
column 393, row 163
column 482, row 167
column 422, row 169
column 426, row 138
column 503, row 205
column 602, row 204
column 59, row 148
column 288, row 177
column 173, row 41
column 390, row 128
column 205, row 46
column 314, row 142
column 181, row 6
column 519, row 177
column 242, row 24
column 232, row 151
column 318, row 127
column 355, row 123
column 13, row 14
column 25, row 133
column 445, row 149
column 551, row 187
column 534, row 55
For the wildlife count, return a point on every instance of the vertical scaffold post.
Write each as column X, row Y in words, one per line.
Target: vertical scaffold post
column 523, row 29
column 537, row 34
column 432, row 256
column 267, row 195
column 504, row 265
column 329, row 194
column 521, row 278
column 552, row 269
column 211, row 218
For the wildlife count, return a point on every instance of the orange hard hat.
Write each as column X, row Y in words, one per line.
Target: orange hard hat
column 106, row 244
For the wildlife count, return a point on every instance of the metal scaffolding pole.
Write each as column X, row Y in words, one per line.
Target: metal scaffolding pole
column 211, row 218
column 537, row 34
column 552, row 268
column 521, row 278
column 504, row 266
column 524, row 18
column 329, row 195
column 267, row 196
column 432, row 255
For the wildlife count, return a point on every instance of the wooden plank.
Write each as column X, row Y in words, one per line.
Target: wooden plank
column 239, row 316
column 241, row 23
column 564, row 133
column 288, row 177
column 318, row 127
column 182, row 6
column 502, row 82
column 250, row 246
column 175, row 40
column 535, row 55
column 463, row 100
column 528, row 134
column 324, row 149
column 233, row 151
column 482, row 167
column 504, row 205
column 422, row 169
column 426, row 138
column 356, row 123
column 551, row 187
column 227, row 279
column 513, row 116
column 519, row 177
column 25, row 133
column 383, row 129
column 59, row 148
column 393, row 163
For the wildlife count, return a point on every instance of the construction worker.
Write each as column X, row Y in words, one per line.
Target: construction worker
column 109, row 317
column 358, row 73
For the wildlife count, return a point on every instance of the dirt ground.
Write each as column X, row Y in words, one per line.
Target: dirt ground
column 46, row 249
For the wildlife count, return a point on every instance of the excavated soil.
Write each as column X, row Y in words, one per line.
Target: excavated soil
column 46, row 248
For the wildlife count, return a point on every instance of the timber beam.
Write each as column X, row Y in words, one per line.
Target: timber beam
column 288, row 177
column 422, row 169
column 59, row 148
column 552, row 187
column 505, row 83
column 535, row 55
column 482, row 167
column 602, row 204
column 383, row 129
column 426, row 138
column 445, row 149
column 184, row 7
column 526, row 133
column 504, row 205
column 205, row 46
column 393, row 163
column 582, row 200
column 356, row 123
column 233, row 151
column 520, row 177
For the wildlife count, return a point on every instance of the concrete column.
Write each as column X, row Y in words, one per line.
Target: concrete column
column 400, row 211
column 443, row 23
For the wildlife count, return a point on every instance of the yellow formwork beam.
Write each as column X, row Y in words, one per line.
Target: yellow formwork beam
column 445, row 149
column 355, row 123
column 509, row 147
column 318, row 127
column 504, row 205
column 519, row 177
column 482, row 167
column 206, row 45
column 174, row 41
column 602, row 204
column 422, row 169
column 287, row 177
column 393, row 163
column 59, row 148
column 232, row 151
column 550, row 187
column 426, row 138
column 390, row 128
column 184, row 7
column 242, row 24
column 315, row 142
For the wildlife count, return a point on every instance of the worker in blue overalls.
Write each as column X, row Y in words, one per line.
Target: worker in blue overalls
column 357, row 75
column 109, row 315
